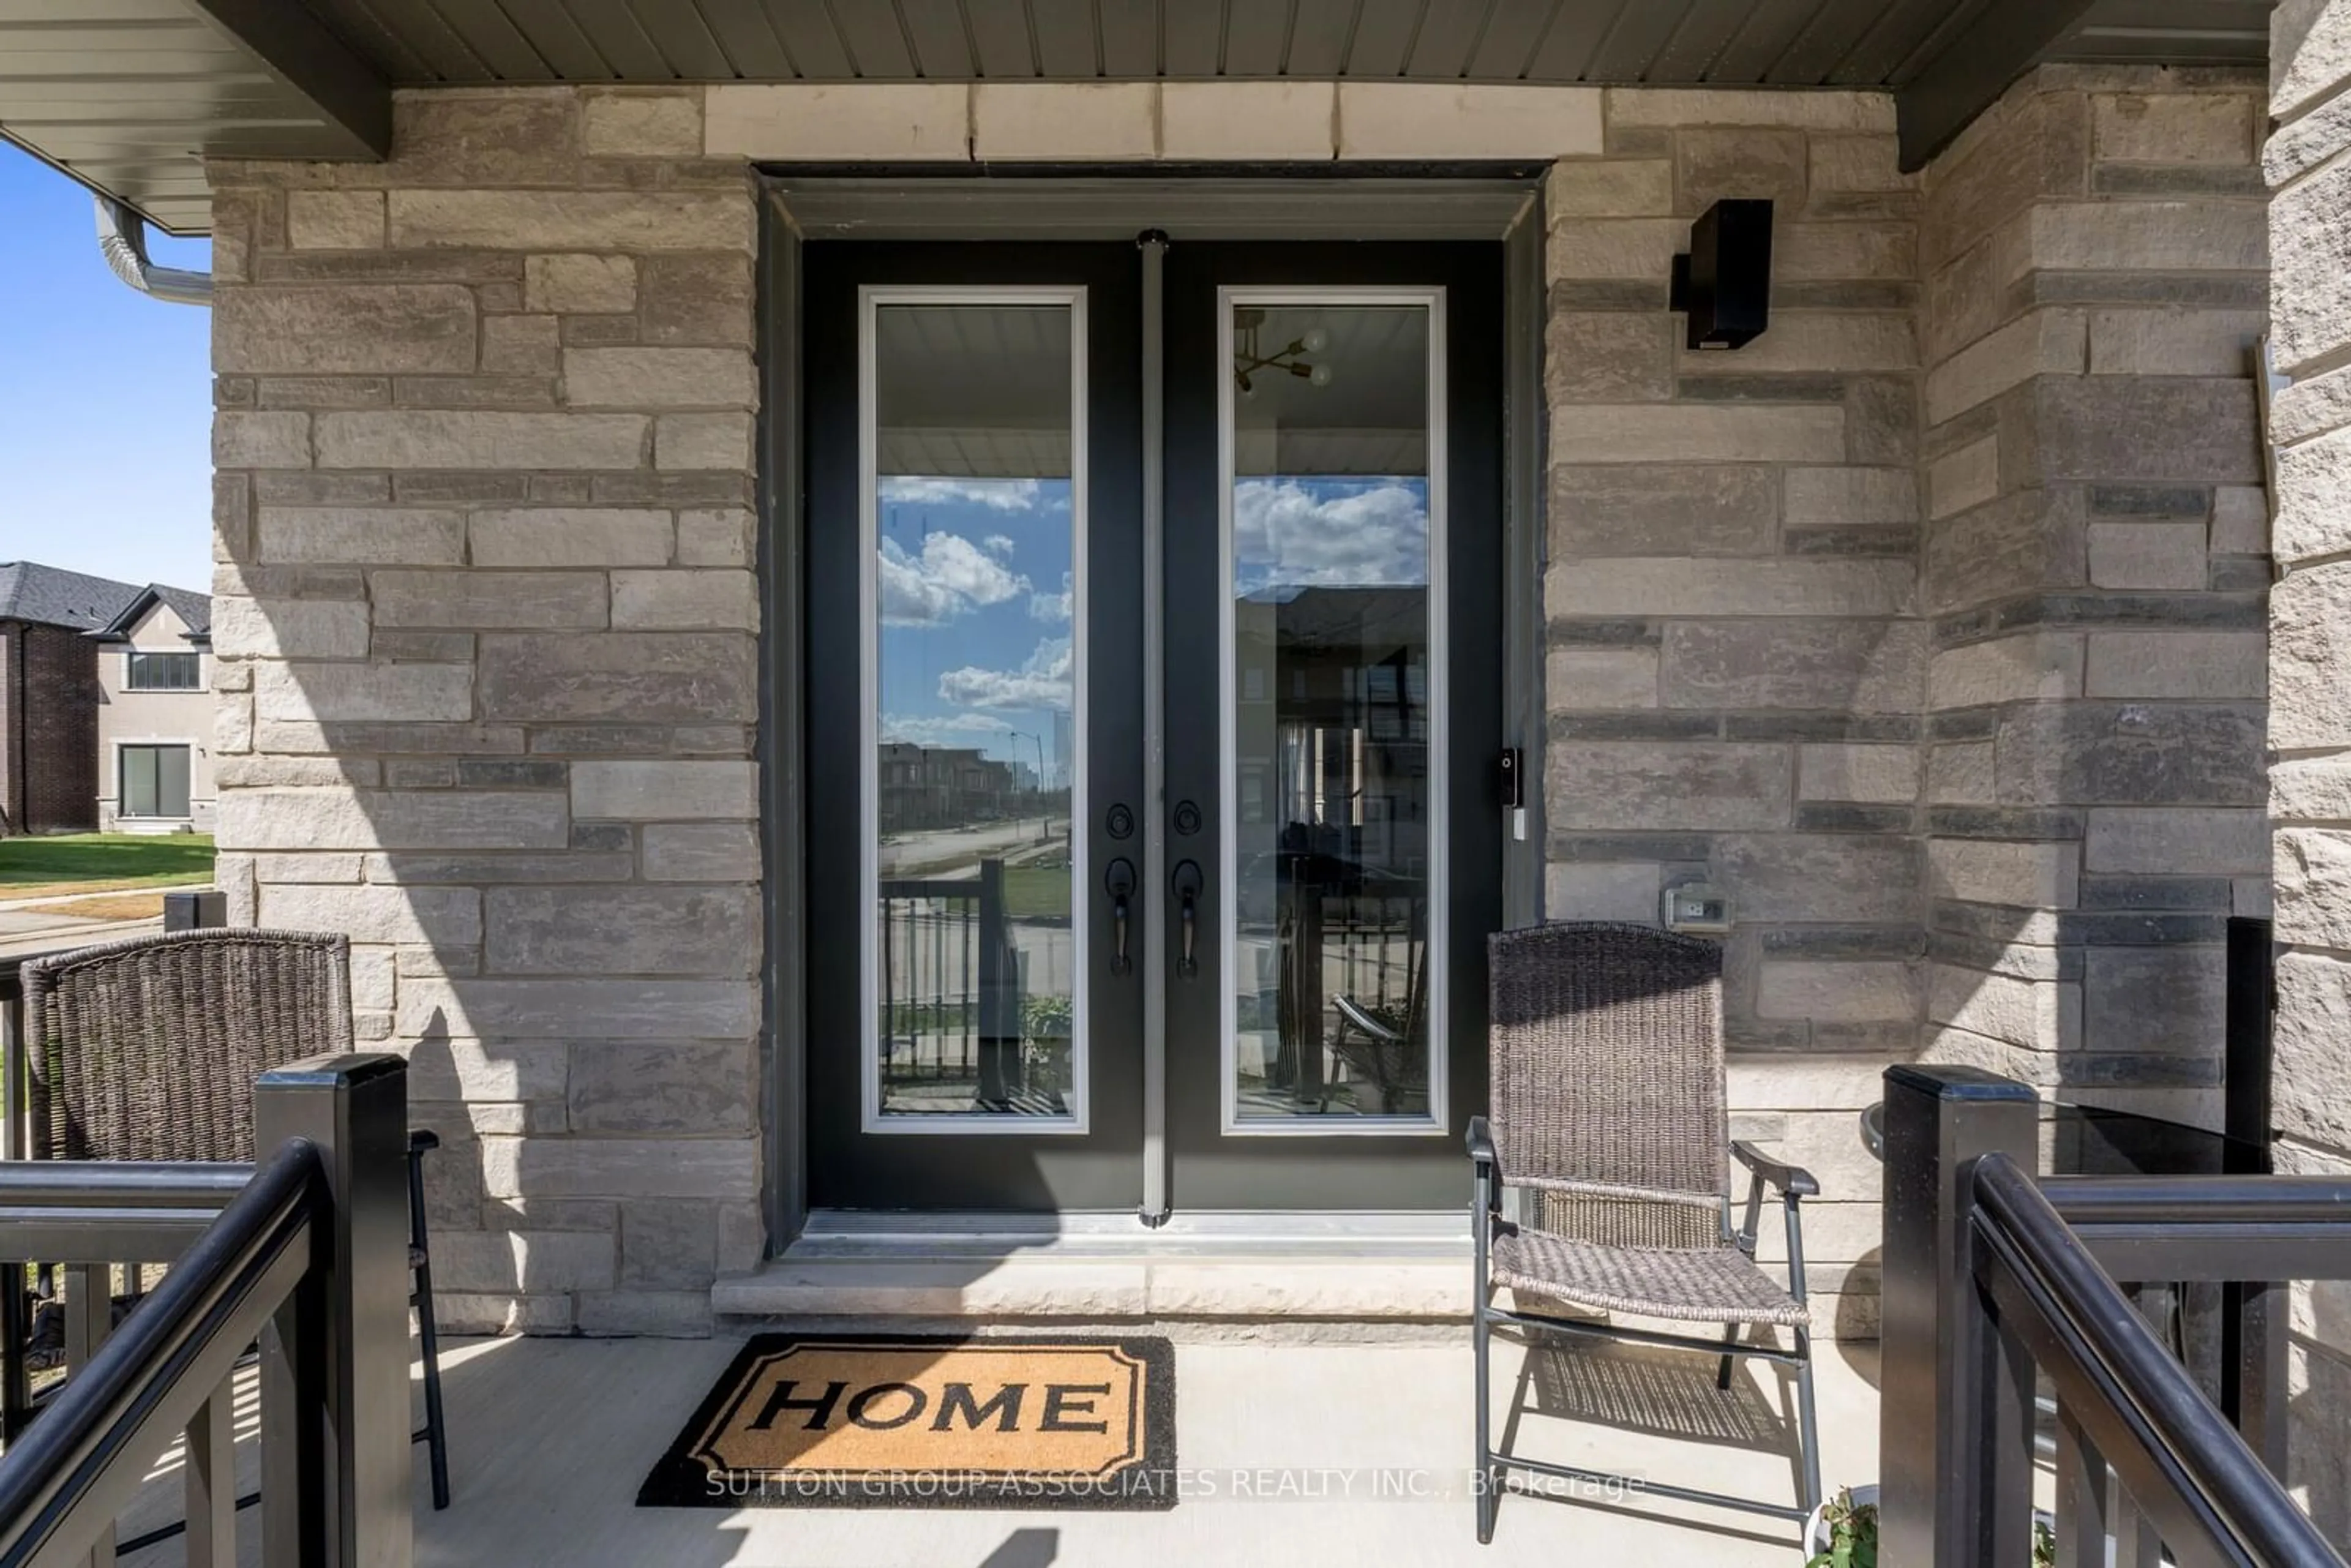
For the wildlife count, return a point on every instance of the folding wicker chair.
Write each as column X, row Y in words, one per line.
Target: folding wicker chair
column 1607, row 1092
column 147, row 1049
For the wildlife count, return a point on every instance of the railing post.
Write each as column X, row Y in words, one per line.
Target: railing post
column 1000, row 1037
column 336, row 1386
column 1937, row 1495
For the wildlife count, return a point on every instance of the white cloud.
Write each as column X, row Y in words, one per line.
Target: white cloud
column 1054, row 609
column 1045, row 681
column 999, row 494
column 997, row 544
column 952, row 575
column 1359, row 534
column 931, row 729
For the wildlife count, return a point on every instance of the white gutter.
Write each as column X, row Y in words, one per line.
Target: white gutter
column 122, row 237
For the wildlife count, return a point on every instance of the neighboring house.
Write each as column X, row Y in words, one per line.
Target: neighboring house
column 105, row 703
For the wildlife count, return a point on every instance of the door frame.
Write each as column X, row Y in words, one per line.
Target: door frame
column 1371, row 200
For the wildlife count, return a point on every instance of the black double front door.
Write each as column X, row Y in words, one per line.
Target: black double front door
column 992, row 881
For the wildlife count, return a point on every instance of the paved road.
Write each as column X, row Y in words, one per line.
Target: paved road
column 943, row 849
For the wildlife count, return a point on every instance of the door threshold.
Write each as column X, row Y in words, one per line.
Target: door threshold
column 877, row 1233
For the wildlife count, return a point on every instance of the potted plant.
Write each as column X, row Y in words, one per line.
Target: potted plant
column 1843, row 1533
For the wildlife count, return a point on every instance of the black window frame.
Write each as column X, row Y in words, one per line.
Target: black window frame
column 122, row 796
column 134, row 660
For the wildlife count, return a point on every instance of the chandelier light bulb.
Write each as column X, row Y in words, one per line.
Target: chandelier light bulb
column 1319, row 376
column 1316, row 340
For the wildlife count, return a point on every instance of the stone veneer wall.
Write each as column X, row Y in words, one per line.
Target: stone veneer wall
column 2307, row 161
column 1735, row 673
column 488, row 663
column 2093, row 578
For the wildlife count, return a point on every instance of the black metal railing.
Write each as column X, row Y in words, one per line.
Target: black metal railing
column 952, row 1004
column 1994, row 1280
column 304, row 1256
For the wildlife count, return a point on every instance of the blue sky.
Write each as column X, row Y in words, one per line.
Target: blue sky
column 105, row 397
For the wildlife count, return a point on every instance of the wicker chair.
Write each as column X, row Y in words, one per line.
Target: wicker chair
column 147, row 1049
column 1608, row 1116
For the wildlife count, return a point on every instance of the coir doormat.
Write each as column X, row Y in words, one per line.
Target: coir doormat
column 900, row 1421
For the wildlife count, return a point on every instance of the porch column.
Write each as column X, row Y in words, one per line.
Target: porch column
column 2308, row 165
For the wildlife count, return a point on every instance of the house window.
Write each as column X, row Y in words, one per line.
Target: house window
column 155, row 779
column 162, row 673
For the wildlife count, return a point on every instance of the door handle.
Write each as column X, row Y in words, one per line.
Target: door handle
column 1118, row 880
column 1186, row 882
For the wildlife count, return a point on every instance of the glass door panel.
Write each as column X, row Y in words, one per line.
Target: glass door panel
column 1333, row 535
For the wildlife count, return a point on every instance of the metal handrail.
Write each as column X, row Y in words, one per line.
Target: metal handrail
column 71, row 1473
column 2179, row 1457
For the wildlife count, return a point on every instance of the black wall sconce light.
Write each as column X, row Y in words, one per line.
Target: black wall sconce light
column 1725, row 282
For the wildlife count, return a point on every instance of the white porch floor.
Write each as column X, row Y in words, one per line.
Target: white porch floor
column 550, row 1437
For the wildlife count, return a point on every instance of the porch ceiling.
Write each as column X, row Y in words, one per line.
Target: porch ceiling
column 127, row 96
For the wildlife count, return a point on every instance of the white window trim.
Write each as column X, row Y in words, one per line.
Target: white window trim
column 114, row 772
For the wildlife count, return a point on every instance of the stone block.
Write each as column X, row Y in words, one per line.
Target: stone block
column 2039, row 1015
column 692, row 1090
column 641, row 677
column 2034, row 667
column 476, row 598
column 362, row 329
column 685, row 599
column 334, row 219
column 2149, row 236
column 1810, row 253
column 665, row 791
column 1710, row 164
column 1858, row 163
column 2170, row 999
column 658, row 378
column 2312, row 869
column 1840, row 992
column 668, row 1244
column 289, row 628
column 2310, row 55
column 577, row 1009
column 2193, row 665
column 2025, row 542
column 1871, row 773
column 1606, row 357
column 1846, row 664
column 421, row 438
column 1397, row 119
column 1584, row 679
column 1635, row 248
column 331, row 692
column 706, row 1169
column 2311, row 788
column 638, row 125
column 1962, row 775
column 1963, row 478
column 2143, row 428
column 1608, row 785
column 2201, row 842
column 577, row 283
column 1786, row 586
column 2311, row 1074
column 2147, row 555
column 346, row 819
column 2310, row 658
column 1992, row 871
column 697, row 297
column 620, row 931
column 360, row 536
column 2174, row 342
column 2311, row 407
column 573, row 220
column 570, row 536
column 433, row 916
column 2163, row 754
column 1586, row 890
column 502, row 1260
column 1028, row 121
column 2042, row 342
column 923, row 122
column 1662, row 509
column 1210, row 122
column 1677, row 107
column 723, row 537
column 1847, row 877
column 701, row 851
column 522, row 345
column 1611, row 188
column 2314, row 511
column 703, row 441
column 261, row 440
column 2172, row 128
column 1850, row 495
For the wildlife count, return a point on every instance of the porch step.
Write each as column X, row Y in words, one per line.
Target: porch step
column 1321, row 1268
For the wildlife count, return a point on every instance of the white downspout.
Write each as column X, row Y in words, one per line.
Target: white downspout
column 122, row 237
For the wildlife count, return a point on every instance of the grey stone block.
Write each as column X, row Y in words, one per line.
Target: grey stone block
column 697, row 297
column 1858, row 666
column 2147, row 428
column 643, row 677
column 694, row 1089
column 579, row 1008
column 1663, row 509
column 2093, row 753
column 1606, row 357
column 668, row 1244
column 620, row 931
column 700, row 852
column 506, row 601
column 325, row 329
column 1837, row 877
column 1635, row 785
column 2154, row 1000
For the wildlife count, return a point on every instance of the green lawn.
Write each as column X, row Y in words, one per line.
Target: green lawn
column 96, row 863
column 1035, row 891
